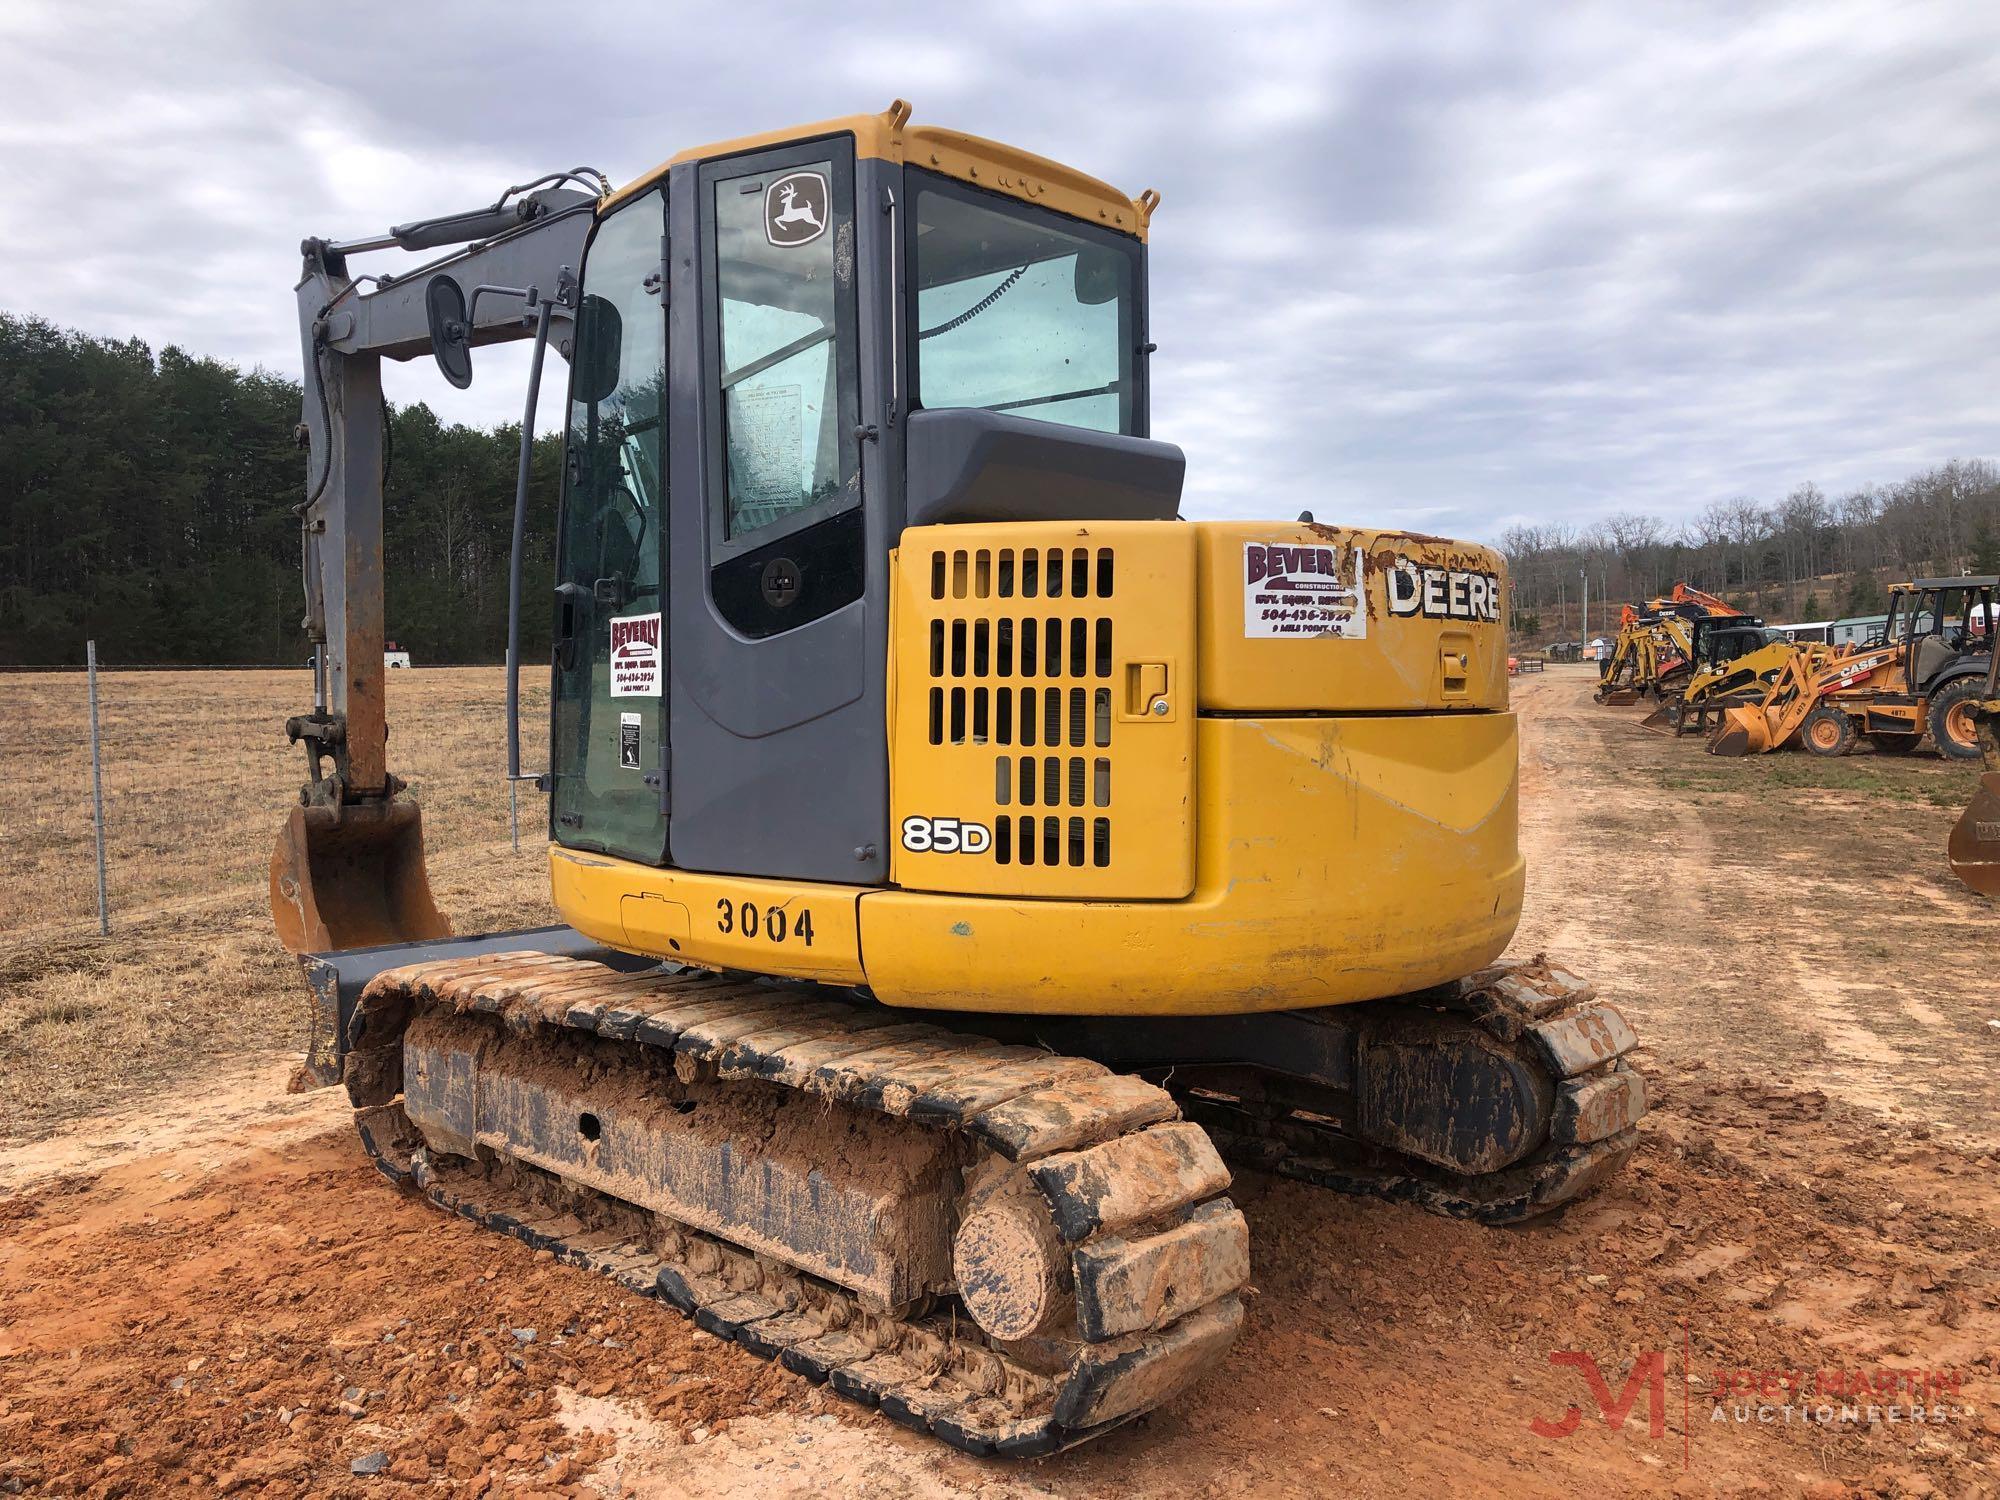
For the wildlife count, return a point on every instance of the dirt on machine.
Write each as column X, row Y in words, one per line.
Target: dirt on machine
column 1926, row 674
column 962, row 859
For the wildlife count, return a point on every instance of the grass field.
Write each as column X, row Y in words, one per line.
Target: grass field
column 197, row 778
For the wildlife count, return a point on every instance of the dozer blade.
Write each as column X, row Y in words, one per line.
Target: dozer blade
column 1975, row 842
column 1744, row 731
column 353, row 877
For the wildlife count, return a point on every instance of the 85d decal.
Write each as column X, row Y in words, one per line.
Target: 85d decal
column 923, row 835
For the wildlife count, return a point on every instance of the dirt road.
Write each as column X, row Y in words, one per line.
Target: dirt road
column 231, row 1300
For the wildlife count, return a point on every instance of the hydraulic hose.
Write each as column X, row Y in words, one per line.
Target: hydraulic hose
column 542, row 307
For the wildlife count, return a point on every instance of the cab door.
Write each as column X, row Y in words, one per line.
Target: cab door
column 780, row 532
column 606, row 763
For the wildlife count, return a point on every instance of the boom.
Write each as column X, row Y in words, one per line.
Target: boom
column 348, row 870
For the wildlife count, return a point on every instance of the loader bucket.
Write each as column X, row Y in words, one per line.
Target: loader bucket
column 353, row 877
column 1744, row 731
column 1664, row 717
column 1618, row 695
column 1975, row 842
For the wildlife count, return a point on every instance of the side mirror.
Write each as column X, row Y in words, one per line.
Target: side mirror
column 450, row 329
column 600, row 335
column 1098, row 274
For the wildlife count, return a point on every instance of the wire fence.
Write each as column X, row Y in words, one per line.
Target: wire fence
column 189, row 773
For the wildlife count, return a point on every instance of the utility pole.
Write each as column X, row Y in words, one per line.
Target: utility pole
column 1584, row 574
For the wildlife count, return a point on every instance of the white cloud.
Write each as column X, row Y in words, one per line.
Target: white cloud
column 1456, row 262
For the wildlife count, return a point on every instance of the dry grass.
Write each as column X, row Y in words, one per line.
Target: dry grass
column 197, row 779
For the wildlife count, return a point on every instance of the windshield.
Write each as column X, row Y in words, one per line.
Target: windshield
column 1019, row 310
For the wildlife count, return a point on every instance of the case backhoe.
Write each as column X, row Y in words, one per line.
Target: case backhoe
column 960, row 853
column 1926, row 674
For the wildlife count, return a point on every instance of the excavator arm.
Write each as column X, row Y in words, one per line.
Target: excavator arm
column 348, row 870
column 1687, row 594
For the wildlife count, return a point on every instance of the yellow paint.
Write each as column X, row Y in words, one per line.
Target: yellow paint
column 889, row 136
column 1338, row 860
column 1336, row 823
column 681, row 914
column 975, row 690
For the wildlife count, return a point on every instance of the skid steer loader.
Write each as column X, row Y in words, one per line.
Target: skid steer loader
column 960, row 852
column 1925, row 674
column 1731, row 659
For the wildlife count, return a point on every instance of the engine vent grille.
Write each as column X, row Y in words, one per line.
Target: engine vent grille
column 1023, row 685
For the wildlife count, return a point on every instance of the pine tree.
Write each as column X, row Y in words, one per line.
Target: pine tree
column 1985, row 549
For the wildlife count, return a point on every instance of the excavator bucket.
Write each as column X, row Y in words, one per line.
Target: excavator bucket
column 1744, row 731
column 353, row 877
column 1975, row 842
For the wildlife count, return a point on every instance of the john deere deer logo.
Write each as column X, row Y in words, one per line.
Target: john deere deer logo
column 795, row 210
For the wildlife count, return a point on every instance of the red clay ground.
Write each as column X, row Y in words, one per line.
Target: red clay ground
column 228, row 1297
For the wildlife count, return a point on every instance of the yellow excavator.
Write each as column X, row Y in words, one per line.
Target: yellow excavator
column 1658, row 643
column 1648, row 644
column 959, row 853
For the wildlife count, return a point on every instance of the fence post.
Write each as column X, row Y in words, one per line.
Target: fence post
column 514, row 810
column 97, row 790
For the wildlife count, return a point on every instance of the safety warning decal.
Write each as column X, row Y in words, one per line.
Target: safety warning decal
column 635, row 656
column 1299, row 593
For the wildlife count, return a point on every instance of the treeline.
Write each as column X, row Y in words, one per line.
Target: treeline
column 1807, row 556
column 146, row 500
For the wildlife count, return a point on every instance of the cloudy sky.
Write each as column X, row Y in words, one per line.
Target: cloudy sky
column 1446, row 266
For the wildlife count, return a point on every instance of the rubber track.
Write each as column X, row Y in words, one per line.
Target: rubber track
column 1097, row 1141
column 1509, row 1001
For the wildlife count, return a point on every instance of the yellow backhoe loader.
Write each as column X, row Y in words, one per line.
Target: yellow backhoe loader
column 960, row 853
column 1975, row 840
column 1925, row 674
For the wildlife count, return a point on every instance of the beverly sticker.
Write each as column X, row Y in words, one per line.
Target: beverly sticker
column 635, row 656
column 1299, row 593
